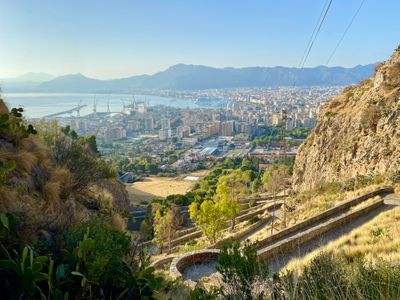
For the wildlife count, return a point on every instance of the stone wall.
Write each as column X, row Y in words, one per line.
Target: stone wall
column 179, row 264
column 158, row 264
column 240, row 234
column 334, row 210
column 305, row 236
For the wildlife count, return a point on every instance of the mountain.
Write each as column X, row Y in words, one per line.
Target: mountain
column 192, row 77
column 357, row 132
column 83, row 84
column 30, row 77
column 202, row 77
column 26, row 81
column 33, row 77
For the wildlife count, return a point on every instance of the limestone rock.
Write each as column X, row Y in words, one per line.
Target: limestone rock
column 357, row 132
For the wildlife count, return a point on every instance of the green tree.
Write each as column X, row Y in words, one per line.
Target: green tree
column 228, row 202
column 209, row 218
column 166, row 223
column 275, row 180
column 230, row 189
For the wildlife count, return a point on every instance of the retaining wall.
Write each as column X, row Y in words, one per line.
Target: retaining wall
column 305, row 236
column 334, row 210
column 158, row 264
column 179, row 264
column 240, row 234
column 241, row 218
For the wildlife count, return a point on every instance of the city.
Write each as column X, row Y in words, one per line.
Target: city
column 179, row 139
column 200, row 150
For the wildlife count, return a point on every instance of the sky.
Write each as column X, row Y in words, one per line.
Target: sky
column 113, row 39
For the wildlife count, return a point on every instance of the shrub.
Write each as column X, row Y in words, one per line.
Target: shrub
column 254, row 220
column 240, row 270
column 370, row 117
column 98, row 262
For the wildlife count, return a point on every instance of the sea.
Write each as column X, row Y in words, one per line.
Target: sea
column 38, row 105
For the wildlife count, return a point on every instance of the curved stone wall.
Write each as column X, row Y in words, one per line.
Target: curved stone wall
column 179, row 264
column 158, row 264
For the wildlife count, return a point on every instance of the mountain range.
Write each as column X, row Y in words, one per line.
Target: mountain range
column 192, row 77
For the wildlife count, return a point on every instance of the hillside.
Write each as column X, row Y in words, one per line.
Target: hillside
column 52, row 181
column 192, row 77
column 357, row 133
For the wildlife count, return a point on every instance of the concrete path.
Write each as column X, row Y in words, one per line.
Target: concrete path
column 277, row 263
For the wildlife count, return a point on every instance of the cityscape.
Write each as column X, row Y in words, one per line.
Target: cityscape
column 200, row 150
column 224, row 125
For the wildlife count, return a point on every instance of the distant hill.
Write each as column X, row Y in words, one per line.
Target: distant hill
column 26, row 81
column 33, row 77
column 192, row 77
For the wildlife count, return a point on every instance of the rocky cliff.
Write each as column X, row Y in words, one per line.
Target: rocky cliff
column 357, row 132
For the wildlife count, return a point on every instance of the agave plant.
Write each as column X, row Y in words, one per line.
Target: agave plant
column 27, row 271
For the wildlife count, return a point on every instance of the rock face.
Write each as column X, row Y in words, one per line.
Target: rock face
column 357, row 132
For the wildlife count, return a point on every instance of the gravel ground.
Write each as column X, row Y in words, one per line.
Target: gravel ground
column 196, row 271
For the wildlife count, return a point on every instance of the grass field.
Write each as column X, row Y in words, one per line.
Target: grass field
column 160, row 187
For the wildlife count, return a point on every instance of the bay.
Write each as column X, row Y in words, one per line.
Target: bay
column 37, row 105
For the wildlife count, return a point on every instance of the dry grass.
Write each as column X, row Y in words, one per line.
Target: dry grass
column 143, row 192
column 365, row 203
column 118, row 222
column 37, row 192
column 377, row 239
column 310, row 205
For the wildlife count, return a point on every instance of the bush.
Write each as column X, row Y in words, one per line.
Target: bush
column 95, row 262
column 86, row 167
column 240, row 270
column 370, row 117
column 254, row 220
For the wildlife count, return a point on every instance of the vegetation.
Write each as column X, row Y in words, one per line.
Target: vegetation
column 326, row 277
column 240, row 268
column 275, row 180
column 326, row 195
column 209, row 218
column 165, row 222
column 230, row 189
column 377, row 239
column 57, row 240
column 92, row 261
column 274, row 134
column 80, row 156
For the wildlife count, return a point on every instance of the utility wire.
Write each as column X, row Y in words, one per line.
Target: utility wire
column 344, row 33
column 312, row 34
column 316, row 34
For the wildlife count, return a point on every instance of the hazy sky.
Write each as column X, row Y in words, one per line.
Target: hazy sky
column 108, row 39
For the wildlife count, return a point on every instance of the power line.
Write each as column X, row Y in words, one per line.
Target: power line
column 344, row 33
column 316, row 34
column 312, row 34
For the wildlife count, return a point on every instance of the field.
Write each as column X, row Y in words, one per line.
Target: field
column 160, row 187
